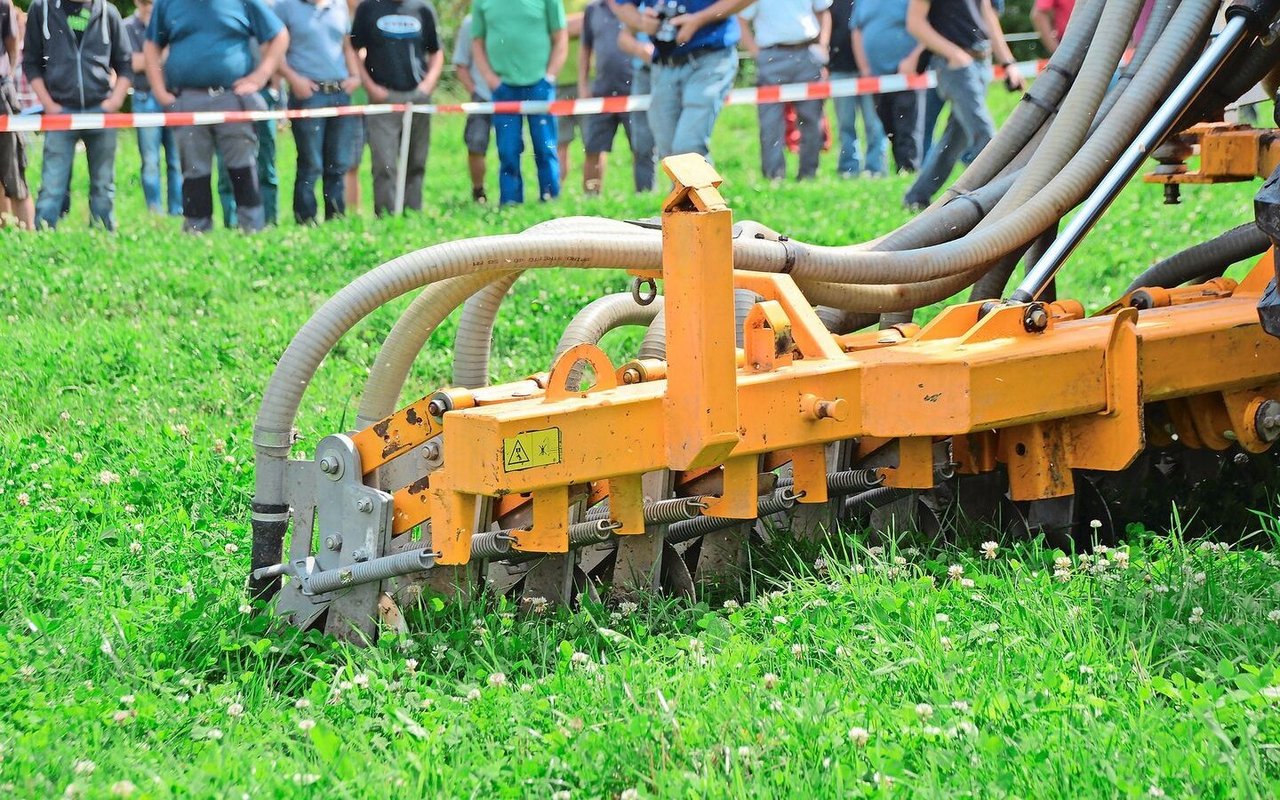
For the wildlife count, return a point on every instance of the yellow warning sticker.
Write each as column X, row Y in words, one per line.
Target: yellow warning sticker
column 531, row 449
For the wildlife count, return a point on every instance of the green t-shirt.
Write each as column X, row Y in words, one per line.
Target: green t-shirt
column 517, row 36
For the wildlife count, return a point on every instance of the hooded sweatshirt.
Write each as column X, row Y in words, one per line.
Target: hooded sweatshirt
column 76, row 67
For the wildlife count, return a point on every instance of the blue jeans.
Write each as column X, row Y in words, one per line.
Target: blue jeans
column 969, row 127
column 776, row 66
column 324, row 149
column 687, row 98
column 150, row 141
column 510, row 140
column 55, row 174
column 847, row 109
column 643, row 161
column 932, row 110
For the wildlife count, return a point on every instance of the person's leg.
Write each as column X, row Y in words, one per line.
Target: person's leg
column 877, row 156
column 667, row 87
column 55, row 172
column 13, row 175
column 598, row 133
column 967, row 93
column 100, row 152
column 308, row 137
column 509, row 136
column 566, row 130
column 240, row 151
column 475, row 135
column 902, row 114
column 419, row 149
column 543, row 133
column 149, row 152
column 351, row 183
column 808, row 69
column 849, row 162
column 770, row 67
column 173, row 172
column 702, row 97
column 196, row 148
column 643, row 162
column 944, row 154
column 268, row 179
column 383, row 132
column 338, row 132
column 933, row 105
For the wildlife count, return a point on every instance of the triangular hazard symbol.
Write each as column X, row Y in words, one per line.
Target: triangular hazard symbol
column 518, row 455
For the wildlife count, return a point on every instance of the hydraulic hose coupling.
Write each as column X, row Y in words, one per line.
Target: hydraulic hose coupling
column 1259, row 15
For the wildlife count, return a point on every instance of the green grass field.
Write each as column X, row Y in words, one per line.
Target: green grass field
column 132, row 366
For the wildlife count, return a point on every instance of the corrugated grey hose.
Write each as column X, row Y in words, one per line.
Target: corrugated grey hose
column 1079, row 108
column 474, row 340
column 1207, row 258
column 654, row 344
column 1038, row 104
column 919, row 277
column 598, row 318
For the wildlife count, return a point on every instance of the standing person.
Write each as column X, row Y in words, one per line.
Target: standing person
column 13, row 151
column 211, row 67
column 520, row 47
column 614, row 73
column 882, row 46
column 844, row 66
column 644, row 159
column 402, row 64
column 359, row 97
column 789, row 41
column 695, row 62
column 321, row 70
column 961, row 35
column 1049, row 18
column 72, row 51
column 475, row 134
column 152, row 140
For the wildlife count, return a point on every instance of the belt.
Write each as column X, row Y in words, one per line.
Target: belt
column 676, row 59
column 979, row 52
column 212, row 91
column 792, row 45
column 328, row 87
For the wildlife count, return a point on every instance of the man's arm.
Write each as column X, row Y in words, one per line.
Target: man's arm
column 272, row 56
column 33, row 67
column 559, row 53
column 121, row 62
column 353, row 67
column 1043, row 24
column 860, row 53
column 1000, row 48
column 748, row 35
column 924, row 33
column 481, row 60
column 155, row 72
column 824, row 28
column 435, row 65
column 635, row 19
column 584, row 70
column 689, row 24
column 629, row 44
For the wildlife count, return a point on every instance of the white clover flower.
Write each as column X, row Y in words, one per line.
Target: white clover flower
column 1121, row 557
column 731, row 605
column 989, row 550
column 411, row 664
column 135, row 547
column 24, row 499
column 214, row 733
column 123, row 789
column 961, row 706
column 628, row 607
column 1085, row 669
column 1160, row 588
column 473, row 695
column 924, row 710
column 744, row 752
column 945, row 642
column 859, row 736
column 1155, row 791
column 1270, row 692
column 797, row 649
column 1274, row 615
column 900, row 561
column 1197, row 616
column 305, row 778
column 579, row 658
column 955, row 571
column 1062, row 575
column 84, row 766
column 106, row 477
column 931, row 730
column 231, row 548
column 875, row 552
column 1062, row 562
column 858, row 569
column 563, row 794
column 779, row 620
column 301, row 703
column 967, row 583
column 776, row 706
column 943, row 618
column 127, row 699
column 1199, row 577
column 306, row 724
column 498, row 679
column 361, row 679
column 882, row 781
column 629, row 794
column 235, row 710
column 770, row 680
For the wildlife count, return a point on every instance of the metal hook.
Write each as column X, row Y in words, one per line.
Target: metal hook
column 644, row 299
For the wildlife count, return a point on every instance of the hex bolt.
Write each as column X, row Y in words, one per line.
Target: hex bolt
column 364, row 505
column 328, row 465
column 631, row 375
column 333, row 542
column 1267, row 421
column 1036, row 319
column 435, row 408
column 362, row 554
column 431, row 451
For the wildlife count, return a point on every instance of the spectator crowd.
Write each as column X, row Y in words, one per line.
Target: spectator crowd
column 81, row 56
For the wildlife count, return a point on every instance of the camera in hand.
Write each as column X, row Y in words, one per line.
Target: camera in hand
column 665, row 11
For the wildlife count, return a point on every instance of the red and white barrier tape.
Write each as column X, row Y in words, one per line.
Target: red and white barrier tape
column 752, row 96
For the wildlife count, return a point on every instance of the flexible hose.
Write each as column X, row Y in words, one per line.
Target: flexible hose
column 1038, row 103
column 473, row 342
column 654, row 343
column 598, row 318
column 1213, row 256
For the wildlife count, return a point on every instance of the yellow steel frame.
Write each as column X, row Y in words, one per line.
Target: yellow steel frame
column 1067, row 392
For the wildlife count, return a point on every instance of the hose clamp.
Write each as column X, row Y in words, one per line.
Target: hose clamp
column 788, row 255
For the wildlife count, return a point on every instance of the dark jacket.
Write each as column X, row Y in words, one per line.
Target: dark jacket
column 77, row 75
